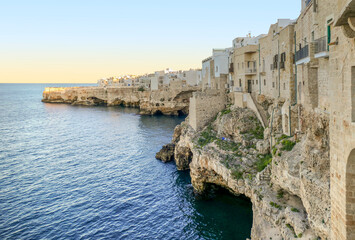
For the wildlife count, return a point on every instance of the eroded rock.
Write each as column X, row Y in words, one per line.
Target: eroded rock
column 166, row 154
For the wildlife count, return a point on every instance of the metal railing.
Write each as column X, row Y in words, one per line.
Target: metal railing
column 250, row 70
column 321, row 45
column 302, row 53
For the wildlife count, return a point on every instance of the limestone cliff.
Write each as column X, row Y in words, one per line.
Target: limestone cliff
column 165, row 101
column 287, row 183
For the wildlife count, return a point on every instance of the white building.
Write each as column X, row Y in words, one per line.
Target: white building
column 213, row 67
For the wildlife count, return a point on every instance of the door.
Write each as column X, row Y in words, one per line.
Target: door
column 249, row 86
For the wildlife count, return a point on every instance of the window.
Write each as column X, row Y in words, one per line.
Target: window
column 256, row 82
column 273, row 84
column 313, row 36
column 253, row 82
column 216, row 68
column 242, row 65
column 264, row 82
column 263, row 65
column 284, row 86
column 240, row 82
column 238, row 65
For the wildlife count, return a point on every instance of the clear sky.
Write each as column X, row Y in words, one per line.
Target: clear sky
column 84, row 40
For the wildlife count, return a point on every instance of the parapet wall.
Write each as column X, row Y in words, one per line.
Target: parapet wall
column 204, row 106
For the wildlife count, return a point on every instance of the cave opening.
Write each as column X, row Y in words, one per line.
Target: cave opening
column 231, row 214
column 158, row 113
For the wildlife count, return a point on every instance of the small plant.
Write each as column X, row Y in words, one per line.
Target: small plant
column 227, row 145
column 292, row 229
column 237, row 174
column 141, row 89
column 275, row 205
column 287, row 145
column 279, row 154
column 295, row 210
column 206, row 137
column 263, row 161
column 280, row 194
column 225, row 111
column 258, row 132
column 274, row 150
column 260, row 197
column 283, row 136
column 300, row 235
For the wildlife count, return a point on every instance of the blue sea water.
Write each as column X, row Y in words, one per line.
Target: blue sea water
column 70, row 172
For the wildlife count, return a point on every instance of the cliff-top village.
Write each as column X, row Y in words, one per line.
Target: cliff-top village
column 298, row 80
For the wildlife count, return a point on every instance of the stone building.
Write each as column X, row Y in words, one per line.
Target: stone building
column 215, row 69
column 276, row 76
column 312, row 36
column 342, row 118
column 243, row 64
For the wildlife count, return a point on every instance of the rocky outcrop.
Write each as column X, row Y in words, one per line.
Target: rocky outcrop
column 165, row 101
column 166, row 154
column 287, row 183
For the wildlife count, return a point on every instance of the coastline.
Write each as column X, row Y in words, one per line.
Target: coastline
column 171, row 102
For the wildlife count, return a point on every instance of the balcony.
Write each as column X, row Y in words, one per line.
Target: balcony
column 250, row 71
column 302, row 55
column 249, row 49
column 321, row 47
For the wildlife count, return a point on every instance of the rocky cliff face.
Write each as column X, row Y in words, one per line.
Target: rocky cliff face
column 167, row 102
column 287, row 183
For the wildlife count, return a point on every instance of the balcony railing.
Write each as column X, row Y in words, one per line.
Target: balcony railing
column 302, row 53
column 321, row 45
column 250, row 71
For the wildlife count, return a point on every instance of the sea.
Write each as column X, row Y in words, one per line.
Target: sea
column 76, row 172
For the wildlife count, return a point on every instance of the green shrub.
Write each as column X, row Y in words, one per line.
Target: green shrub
column 283, row 136
column 275, row 205
column 227, row 145
column 280, row 194
column 287, row 145
column 206, row 137
column 258, row 132
column 141, row 89
column 263, row 161
column 237, row 174
column 225, row 111
column 295, row 210
column 274, row 150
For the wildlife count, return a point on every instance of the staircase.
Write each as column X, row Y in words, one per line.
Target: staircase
column 261, row 110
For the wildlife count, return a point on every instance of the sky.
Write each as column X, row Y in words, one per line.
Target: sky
column 81, row 41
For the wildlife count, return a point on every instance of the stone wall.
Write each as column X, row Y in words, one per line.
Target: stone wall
column 204, row 106
column 342, row 135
